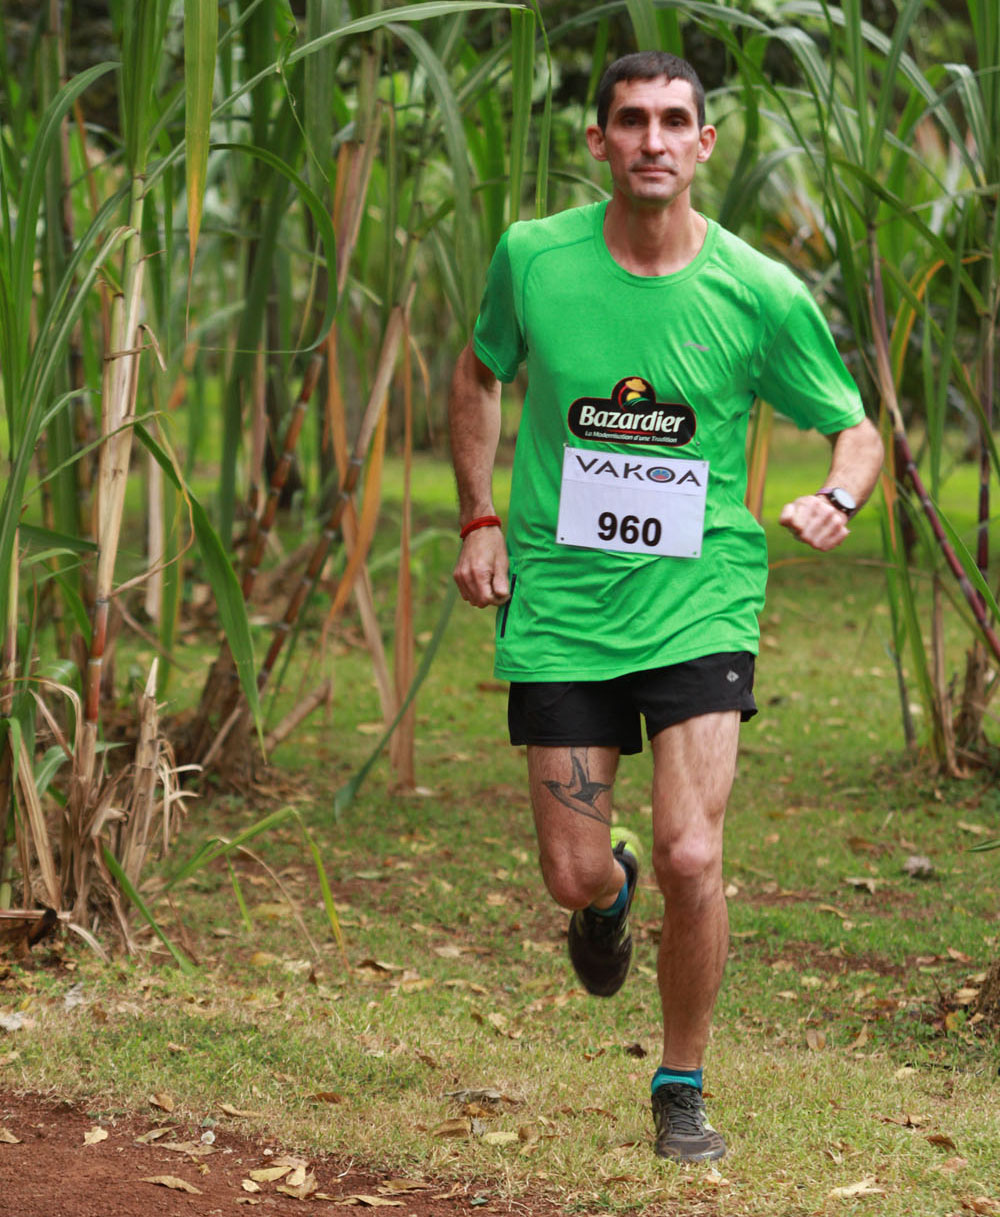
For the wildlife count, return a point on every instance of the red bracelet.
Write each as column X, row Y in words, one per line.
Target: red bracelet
column 480, row 522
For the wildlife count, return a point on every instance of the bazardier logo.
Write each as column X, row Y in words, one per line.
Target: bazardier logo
column 631, row 415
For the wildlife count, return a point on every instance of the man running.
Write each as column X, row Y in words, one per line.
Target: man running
column 632, row 574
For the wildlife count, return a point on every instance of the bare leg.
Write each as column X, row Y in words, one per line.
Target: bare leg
column 571, row 797
column 694, row 764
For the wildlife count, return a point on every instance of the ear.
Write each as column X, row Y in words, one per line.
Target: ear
column 706, row 142
column 595, row 142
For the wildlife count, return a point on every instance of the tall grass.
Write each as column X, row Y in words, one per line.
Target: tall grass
column 260, row 268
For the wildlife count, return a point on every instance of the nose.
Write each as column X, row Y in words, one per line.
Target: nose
column 653, row 140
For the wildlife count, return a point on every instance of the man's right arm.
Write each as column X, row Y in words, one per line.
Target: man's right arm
column 474, row 421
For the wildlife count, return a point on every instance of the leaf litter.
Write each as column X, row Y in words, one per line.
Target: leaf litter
column 131, row 1158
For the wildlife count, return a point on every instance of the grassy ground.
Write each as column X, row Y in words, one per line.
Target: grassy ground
column 450, row 1037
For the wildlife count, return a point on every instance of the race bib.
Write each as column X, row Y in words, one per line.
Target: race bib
column 632, row 504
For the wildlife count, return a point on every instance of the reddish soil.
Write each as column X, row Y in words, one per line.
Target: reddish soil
column 47, row 1169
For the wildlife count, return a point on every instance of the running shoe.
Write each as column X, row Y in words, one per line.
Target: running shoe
column 600, row 947
column 683, row 1133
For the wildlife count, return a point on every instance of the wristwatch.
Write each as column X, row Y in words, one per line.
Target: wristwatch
column 843, row 500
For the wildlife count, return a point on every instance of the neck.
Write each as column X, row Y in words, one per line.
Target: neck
column 653, row 240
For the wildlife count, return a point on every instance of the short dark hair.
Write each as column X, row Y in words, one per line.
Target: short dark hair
column 647, row 65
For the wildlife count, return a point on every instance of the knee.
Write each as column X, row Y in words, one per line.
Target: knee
column 573, row 883
column 685, row 866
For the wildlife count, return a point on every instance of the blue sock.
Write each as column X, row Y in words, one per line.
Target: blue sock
column 619, row 904
column 663, row 1075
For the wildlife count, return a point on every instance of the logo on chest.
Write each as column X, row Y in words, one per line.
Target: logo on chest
column 632, row 415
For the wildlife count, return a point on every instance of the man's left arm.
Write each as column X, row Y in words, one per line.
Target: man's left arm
column 854, row 467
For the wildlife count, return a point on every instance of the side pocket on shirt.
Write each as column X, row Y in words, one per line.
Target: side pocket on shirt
column 506, row 608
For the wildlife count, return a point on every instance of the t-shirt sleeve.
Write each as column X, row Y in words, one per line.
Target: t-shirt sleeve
column 803, row 375
column 498, row 337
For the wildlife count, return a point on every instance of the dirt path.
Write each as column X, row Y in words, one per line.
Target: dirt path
column 59, row 1160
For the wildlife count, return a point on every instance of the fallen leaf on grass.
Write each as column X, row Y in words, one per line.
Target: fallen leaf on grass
column 8, row 1138
column 816, row 1040
column 906, row 1120
column 981, row 1204
column 230, row 1110
column 863, row 1187
column 453, row 1128
column 326, row 1096
column 171, row 1181
column 917, row 866
column 163, row 1101
column 860, row 1042
column 95, row 1135
column 501, row 1138
column 966, row 996
column 951, row 1166
column 942, row 1139
column 979, row 830
column 831, row 908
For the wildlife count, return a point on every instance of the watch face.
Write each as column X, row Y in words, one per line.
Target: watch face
column 842, row 500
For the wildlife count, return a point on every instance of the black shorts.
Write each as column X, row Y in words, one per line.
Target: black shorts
column 605, row 713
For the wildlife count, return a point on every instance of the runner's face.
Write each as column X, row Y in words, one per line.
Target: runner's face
column 652, row 142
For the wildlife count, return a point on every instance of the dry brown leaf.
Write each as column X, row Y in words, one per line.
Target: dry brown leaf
column 815, row 1039
column 373, row 1202
column 906, row 1120
column 951, row 1166
column 248, row 1185
column 398, row 1187
column 230, row 1110
column 197, row 1149
column 831, row 908
column 981, row 1204
column 8, row 1138
column 299, row 1185
column 171, row 1181
column 861, row 1040
column 163, row 1101
column 453, row 1128
column 268, row 1174
column 942, row 1139
column 95, row 1135
column 501, row 1138
column 966, row 996
column 154, row 1134
column 863, row 1187
column 326, row 1096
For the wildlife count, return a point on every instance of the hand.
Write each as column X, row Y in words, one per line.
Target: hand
column 482, row 569
column 815, row 521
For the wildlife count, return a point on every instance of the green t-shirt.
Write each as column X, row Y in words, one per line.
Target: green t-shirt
column 666, row 367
